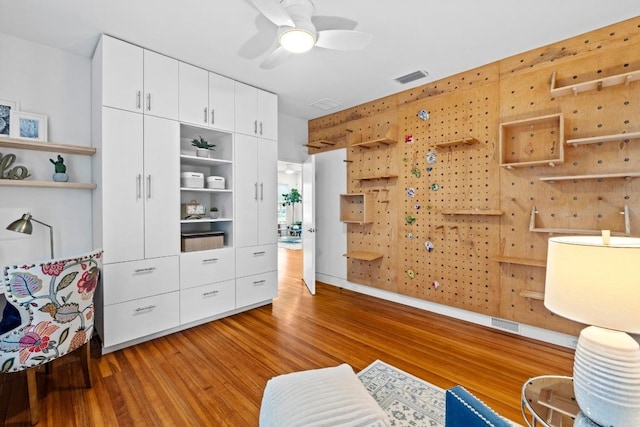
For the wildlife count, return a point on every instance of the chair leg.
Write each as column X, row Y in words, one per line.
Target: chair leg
column 85, row 360
column 34, row 405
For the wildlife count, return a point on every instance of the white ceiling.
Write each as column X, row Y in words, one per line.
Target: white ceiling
column 443, row 37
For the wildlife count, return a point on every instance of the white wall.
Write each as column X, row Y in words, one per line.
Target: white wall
column 292, row 134
column 56, row 84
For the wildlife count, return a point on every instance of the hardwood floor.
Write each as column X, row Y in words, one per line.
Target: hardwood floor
column 214, row 375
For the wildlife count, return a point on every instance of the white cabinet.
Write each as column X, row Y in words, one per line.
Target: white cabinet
column 134, row 79
column 207, row 301
column 256, row 112
column 206, row 99
column 138, row 183
column 256, row 289
column 256, row 191
column 139, row 279
column 204, row 267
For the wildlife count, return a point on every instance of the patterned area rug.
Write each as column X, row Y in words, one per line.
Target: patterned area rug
column 294, row 243
column 408, row 400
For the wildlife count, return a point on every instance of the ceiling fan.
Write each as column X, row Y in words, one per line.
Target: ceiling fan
column 297, row 33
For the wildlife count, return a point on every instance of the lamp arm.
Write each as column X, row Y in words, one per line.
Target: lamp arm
column 50, row 233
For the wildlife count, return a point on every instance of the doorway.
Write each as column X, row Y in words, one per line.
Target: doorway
column 289, row 214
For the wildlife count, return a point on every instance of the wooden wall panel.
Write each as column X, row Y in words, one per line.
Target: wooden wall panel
column 476, row 214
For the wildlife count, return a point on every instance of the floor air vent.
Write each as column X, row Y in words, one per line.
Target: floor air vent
column 505, row 324
column 408, row 78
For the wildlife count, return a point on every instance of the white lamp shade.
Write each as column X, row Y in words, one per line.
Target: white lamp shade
column 593, row 283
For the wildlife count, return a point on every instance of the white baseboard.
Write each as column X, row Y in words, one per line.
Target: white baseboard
column 528, row 331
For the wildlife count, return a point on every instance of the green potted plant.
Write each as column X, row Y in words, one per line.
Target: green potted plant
column 202, row 146
column 290, row 199
column 60, row 174
column 213, row 212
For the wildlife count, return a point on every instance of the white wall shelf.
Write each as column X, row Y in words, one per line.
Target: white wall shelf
column 24, row 144
column 46, row 184
column 597, row 84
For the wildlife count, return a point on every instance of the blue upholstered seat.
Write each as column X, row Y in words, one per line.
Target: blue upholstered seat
column 463, row 409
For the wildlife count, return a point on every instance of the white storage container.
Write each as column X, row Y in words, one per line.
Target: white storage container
column 192, row 180
column 216, row 182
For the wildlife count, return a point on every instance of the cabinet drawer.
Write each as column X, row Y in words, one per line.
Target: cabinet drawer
column 135, row 319
column 205, row 301
column 256, row 259
column 258, row 288
column 138, row 279
column 204, row 267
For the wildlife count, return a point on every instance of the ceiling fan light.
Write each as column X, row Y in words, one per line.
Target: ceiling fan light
column 297, row 40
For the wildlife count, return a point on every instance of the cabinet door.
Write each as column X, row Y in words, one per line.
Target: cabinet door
column 246, row 190
column 121, row 185
column 221, row 102
column 268, row 189
column 246, row 109
column 122, row 74
column 160, row 85
column 161, row 187
column 267, row 115
column 194, row 94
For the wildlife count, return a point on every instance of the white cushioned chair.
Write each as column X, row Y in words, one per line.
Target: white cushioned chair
column 49, row 312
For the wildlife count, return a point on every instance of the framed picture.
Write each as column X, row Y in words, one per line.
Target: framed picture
column 7, row 107
column 28, row 126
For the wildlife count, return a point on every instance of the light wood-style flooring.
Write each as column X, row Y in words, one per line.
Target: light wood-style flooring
column 214, row 374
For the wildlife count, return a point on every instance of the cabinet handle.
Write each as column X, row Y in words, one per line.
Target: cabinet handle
column 138, row 95
column 207, row 294
column 213, row 116
column 260, row 128
column 262, row 191
column 259, row 282
column 255, row 126
column 259, row 253
column 210, row 260
column 149, row 102
column 147, row 308
column 205, row 114
column 138, row 186
column 256, row 190
column 144, row 270
column 148, row 186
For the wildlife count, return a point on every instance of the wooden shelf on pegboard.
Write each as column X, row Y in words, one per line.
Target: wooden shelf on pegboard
column 363, row 256
column 374, row 177
column 488, row 212
column 356, row 208
column 604, row 138
column 534, row 229
column 597, row 84
column 464, row 141
column 320, row 143
column 520, row 261
column 626, row 175
column 389, row 137
column 537, row 295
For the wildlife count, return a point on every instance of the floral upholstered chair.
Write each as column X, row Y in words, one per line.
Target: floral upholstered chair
column 49, row 313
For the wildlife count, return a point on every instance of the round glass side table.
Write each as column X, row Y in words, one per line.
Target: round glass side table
column 548, row 401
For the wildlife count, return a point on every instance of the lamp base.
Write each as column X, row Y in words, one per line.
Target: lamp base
column 606, row 377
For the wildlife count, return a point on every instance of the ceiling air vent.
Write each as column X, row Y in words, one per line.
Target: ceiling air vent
column 326, row 104
column 408, row 78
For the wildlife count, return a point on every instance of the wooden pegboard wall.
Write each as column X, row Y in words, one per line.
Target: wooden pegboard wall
column 462, row 177
column 473, row 104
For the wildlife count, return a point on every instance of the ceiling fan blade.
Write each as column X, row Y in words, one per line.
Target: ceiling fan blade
column 333, row 23
column 261, row 42
column 343, row 39
column 274, row 11
column 275, row 58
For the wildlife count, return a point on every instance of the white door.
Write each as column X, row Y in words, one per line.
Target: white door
column 161, row 187
column 221, row 102
column 122, row 192
column 267, row 115
column 268, row 192
column 160, row 85
column 122, row 74
column 246, row 190
column 194, row 94
column 309, row 224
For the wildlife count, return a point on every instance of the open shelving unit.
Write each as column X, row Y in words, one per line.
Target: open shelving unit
column 597, row 84
column 356, row 208
column 533, row 141
column 23, row 144
column 603, row 138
